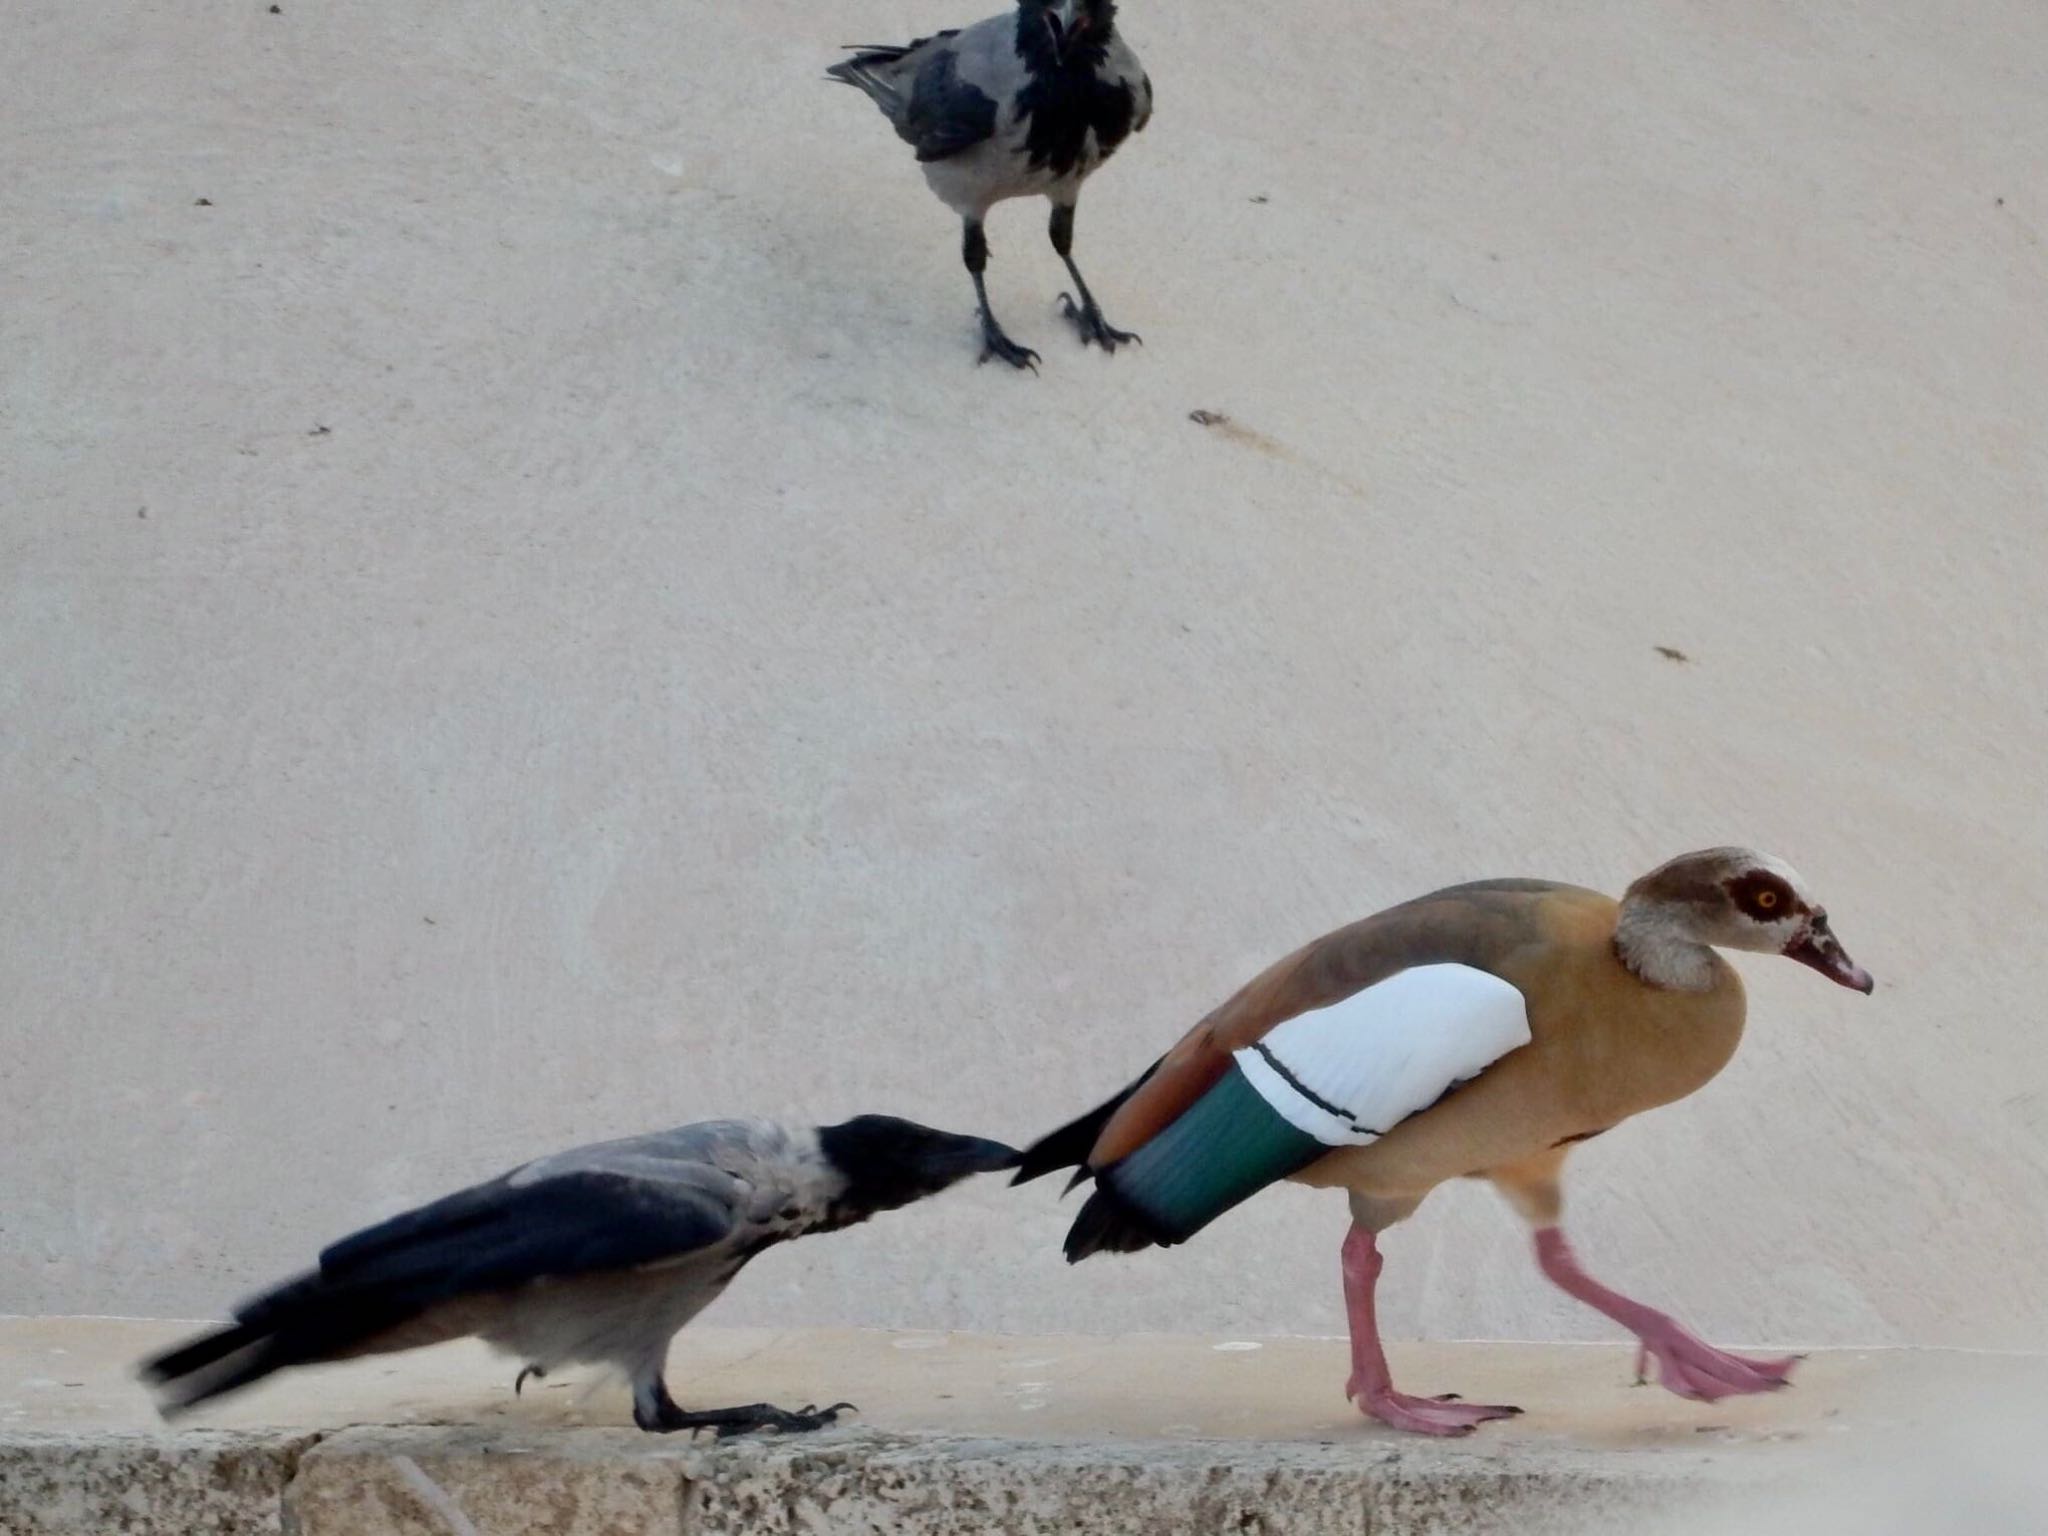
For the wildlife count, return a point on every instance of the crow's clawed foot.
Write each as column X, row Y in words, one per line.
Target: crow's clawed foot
column 1087, row 319
column 802, row 1421
column 995, row 344
column 727, row 1422
column 520, row 1380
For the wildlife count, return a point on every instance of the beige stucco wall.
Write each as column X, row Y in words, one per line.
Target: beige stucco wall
column 522, row 622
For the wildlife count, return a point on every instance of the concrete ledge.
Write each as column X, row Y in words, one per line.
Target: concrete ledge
column 1027, row 1437
column 217, row 1482
column 417, row 1481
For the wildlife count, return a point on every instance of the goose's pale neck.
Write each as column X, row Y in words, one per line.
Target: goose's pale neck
column 1654, row 940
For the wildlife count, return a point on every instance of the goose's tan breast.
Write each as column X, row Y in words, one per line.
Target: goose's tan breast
column 1603, row 1046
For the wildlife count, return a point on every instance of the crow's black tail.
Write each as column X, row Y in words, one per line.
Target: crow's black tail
column 300, row 1322
column 863, row 71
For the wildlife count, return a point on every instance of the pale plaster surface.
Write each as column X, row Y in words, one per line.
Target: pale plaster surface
column 78, row 1374
column 521, row 622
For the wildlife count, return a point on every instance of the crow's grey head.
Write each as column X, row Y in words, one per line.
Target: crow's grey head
column 1064, row 29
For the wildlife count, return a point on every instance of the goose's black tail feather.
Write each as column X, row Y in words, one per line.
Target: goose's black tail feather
column 1069, row 1146
column 1107, row 1224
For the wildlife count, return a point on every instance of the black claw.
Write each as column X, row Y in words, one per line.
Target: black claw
column 519, row 1381
column 1088, row 320
column 1001, row 346
column 994, row 343
column 727, row 1422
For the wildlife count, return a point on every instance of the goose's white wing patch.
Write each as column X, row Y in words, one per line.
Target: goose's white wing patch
column 1349, row 1073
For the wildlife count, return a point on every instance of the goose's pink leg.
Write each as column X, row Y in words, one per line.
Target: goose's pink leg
column 1370, row 1386
column 1686, row 1363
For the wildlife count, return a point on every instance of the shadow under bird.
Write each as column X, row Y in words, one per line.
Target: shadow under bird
column 1026, row 104
column 594, row 1256
column 1480, row 1032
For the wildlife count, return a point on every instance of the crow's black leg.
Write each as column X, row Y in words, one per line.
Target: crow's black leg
column 520, row 1380
column 657, row 1413
column 1086, row 315
column 974, row 251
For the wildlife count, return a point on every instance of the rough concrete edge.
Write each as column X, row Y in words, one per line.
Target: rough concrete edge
column 860, row 1480
column 881, row 1482
column 139, row 1482
column 458, row 1480
column 307, row 1483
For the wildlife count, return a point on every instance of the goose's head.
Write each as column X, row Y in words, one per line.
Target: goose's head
column 1727, row 898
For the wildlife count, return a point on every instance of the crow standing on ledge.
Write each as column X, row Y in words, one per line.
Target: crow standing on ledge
column 593, row 1256
column 1021, row 105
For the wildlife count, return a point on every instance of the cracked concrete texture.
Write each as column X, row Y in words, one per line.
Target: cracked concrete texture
column 105, row 1483
column 469, row 1482
column 426, row 1481
column 429, row 1481
column 932, row 1487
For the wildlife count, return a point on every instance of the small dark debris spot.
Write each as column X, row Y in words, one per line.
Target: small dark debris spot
column 430, row 922
column 1671, row 653
column 1998, row 201
column 1207, row 418
column 320, row 429
column 277, row 10
column 204, row 202
column 1708, row 1429
column 142, row 511
column 1261, row 198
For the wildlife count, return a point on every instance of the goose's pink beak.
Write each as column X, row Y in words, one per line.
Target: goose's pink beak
column 1820, row 949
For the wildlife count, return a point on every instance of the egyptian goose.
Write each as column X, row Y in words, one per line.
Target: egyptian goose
column 1480, row 1031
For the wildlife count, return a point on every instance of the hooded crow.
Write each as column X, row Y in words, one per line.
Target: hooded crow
column 1027, row 104
column 593, row 1256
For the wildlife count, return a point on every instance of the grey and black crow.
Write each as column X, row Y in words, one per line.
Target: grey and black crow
column 1026, row 104
column 596, row 1256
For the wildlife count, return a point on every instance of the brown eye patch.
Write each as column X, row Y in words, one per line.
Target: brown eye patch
column 1763, row 896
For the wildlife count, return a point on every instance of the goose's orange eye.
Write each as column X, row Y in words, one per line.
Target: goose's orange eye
column 1766, row 900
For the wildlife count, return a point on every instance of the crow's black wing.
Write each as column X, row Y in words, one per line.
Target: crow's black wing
column 946, row 114
column 505, row 1233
